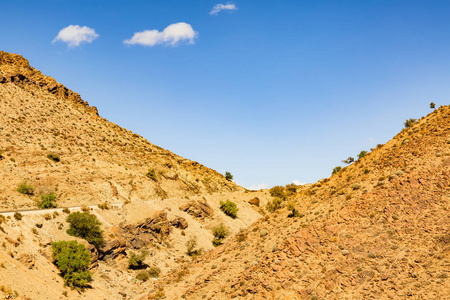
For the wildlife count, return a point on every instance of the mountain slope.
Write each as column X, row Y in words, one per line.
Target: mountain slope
column 41, row 121
column 378, row 229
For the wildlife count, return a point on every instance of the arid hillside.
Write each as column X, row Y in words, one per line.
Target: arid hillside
column 54, row 141
column 377, row 229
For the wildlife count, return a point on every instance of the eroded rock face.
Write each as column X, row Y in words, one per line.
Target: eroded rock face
column 197, row 209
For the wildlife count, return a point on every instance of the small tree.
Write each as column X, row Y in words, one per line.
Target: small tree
column 409, row 122
column 432, row 105
column 191, row 246
column 228, row 176
column 229, row 208
column 349, row 160
column 136, row 261
column 86, row 226
column 73, row 260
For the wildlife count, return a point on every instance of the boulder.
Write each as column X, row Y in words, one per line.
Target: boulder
column 197, row 209
column 254, row 201
column 179, row 222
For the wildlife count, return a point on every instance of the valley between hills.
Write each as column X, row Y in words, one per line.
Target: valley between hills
column 172, row 228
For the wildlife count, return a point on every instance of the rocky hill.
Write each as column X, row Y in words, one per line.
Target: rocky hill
column 54, row 141
column 377, row 229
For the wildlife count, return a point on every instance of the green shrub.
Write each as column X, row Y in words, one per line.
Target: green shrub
column 228, row 176
column 291, row 189
column 53, row 156
column 229, row 208
column 73, row 260
column 104, row 206
column 336, row 170
column 151, row 174
column 154, row 272
column 219, row 232
column 25, row 187
column 142, row 275
column 409, row 122
column 362, row 154
column 48, row 201
column 136, row 261
column 278, row 192
column 18, row 216
column 432, row 105
column 86, row 226
column 66, row 210
column 273, row 205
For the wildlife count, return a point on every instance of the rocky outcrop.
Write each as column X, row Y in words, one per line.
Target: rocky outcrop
column 16, row 69
column 197, row 209
column 254, row 201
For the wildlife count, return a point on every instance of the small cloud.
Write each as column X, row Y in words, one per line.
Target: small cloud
column 75, row 35
column 298, row 182
column 219, row 7
column 259, row 186
column 171, row 35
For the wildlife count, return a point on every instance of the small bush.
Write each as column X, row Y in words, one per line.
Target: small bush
column 25, row 187
column 73, row 260
column 191, row 244
column 104, row 206
column 18, row 216
column 142, row 275
column 336, row 170
column 66, row 210
column 86, row 226
column 228, row 176
column 53, row 156
column 409, row 122
column 154, row 272
column 136, row 261
column 273, row 205
column 229, row 208
column 356, row 186
column 278, row 192
column 151, row 174
column 47, row 217
column 432, row 105
column 219, row 232
column 362, row 154
column 48, row 201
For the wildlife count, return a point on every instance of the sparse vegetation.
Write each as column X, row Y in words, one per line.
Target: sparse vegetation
column 229, row 208
column 409, row 122
column 86, row 226
column 274, row 204
column 142, row 276
column 154, row 272
column 219, row 232
column 53, row 156
column 48, row 201
column 104, row 206
column 25, row 187
column 228, row 176
column 432, row 105
column 73, row 260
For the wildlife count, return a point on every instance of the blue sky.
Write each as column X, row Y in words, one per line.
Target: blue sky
column 272, row 91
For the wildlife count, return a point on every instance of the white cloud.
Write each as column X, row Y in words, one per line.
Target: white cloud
column 298, row 182
column 74, row 35
column 171, row 35
column 258, row 186
column 219, row 7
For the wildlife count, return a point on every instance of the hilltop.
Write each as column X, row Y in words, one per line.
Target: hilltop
column 377, row 229
column 56, row 142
